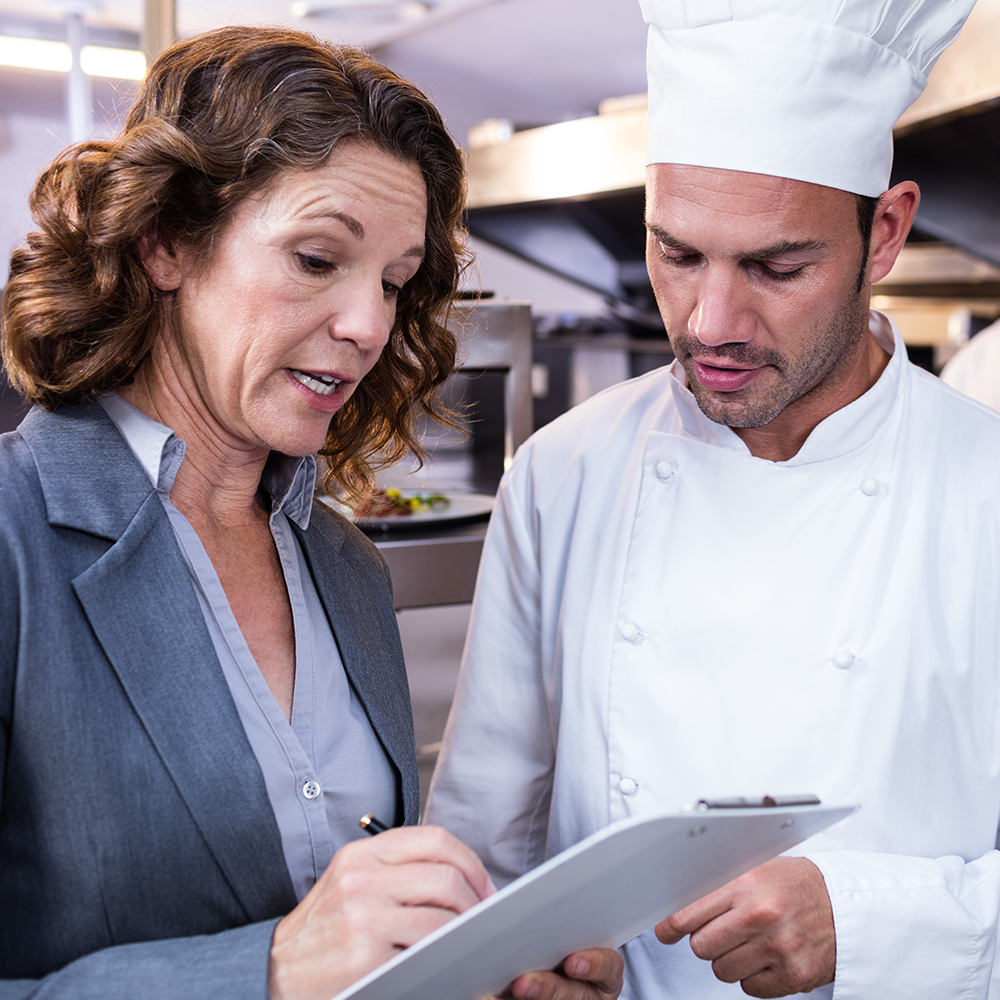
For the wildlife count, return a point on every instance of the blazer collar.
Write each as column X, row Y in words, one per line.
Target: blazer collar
column 89, row 477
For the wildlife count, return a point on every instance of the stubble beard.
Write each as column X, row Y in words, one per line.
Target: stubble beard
column 819, row 368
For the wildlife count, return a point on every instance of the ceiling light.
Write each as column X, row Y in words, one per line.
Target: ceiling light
column 115, row 64
column 34, row 53
column 367, row 11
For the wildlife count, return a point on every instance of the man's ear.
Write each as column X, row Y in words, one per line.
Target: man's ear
column 893, row 218
column 161, row 262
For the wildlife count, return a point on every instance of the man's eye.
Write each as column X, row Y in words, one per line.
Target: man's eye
column 679, row 257
column 774, row 275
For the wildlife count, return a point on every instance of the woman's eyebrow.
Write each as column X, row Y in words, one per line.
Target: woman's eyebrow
column 358, row 230
column 353, row 225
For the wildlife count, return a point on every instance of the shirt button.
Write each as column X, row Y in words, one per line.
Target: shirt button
column 628, row 786
column 311, row 789
column 665, row 471
column 630, row 632
column 843, row 659
column 870, row 487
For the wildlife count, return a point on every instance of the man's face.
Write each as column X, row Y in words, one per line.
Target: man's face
column 756, row 280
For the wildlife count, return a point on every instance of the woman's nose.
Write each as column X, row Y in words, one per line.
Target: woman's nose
column 363, row 314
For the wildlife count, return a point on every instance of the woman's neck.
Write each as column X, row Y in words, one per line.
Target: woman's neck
column 218, row 481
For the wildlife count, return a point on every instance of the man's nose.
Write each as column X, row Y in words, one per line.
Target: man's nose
column 721, row 313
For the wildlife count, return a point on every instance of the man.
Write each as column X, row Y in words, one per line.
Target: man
column 772, row 567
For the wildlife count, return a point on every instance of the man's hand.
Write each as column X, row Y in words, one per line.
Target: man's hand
column 377, row 897
column 771, row 930
column 593, row 974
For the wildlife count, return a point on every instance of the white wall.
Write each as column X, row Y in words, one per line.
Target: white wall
column 512, row 278
column 27, row 144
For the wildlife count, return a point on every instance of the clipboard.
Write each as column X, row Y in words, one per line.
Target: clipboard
column 602, row 891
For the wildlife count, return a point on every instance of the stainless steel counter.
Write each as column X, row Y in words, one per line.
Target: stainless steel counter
column 435, row 568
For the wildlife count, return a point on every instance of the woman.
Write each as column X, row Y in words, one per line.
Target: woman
column 201, row 684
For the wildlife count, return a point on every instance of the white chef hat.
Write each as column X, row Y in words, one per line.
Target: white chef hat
column 806, row 89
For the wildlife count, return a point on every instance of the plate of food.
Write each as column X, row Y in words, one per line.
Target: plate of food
column 392, row 509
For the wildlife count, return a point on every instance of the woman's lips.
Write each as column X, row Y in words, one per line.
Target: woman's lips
column 328, row 394
column 720, row 379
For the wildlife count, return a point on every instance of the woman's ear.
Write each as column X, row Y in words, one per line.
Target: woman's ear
column 161, row 262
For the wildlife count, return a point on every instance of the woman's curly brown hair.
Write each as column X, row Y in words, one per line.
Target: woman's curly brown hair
column 219, row 116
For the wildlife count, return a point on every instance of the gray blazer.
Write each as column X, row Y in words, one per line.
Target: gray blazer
column 139, row 856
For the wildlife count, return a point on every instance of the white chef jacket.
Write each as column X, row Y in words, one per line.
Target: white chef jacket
column 662, row 617
column 975, row 369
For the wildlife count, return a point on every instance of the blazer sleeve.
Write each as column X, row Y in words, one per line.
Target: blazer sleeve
column 231, row 965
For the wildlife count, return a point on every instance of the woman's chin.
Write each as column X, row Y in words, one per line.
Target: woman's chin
column 297, row 438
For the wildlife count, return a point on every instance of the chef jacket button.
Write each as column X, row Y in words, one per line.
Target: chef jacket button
column 311, row 789
column 631, row 632
column 843, row 659
column 628, row 786
column 665, row 471
column 870, row 487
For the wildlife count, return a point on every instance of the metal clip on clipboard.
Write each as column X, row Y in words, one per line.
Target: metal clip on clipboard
column 776, row 801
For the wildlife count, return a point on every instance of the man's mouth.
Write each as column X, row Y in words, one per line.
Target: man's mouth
column 718, row 378
column 325, row 385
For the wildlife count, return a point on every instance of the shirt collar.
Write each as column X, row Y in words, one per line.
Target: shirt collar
column 288, row 480
column 840, row 433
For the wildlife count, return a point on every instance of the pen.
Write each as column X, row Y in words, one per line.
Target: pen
column 371, row 825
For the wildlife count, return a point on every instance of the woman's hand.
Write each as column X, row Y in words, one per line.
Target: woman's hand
column 377, row 897
column 593, row 974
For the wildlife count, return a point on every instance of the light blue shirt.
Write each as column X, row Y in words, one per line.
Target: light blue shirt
column 326, row 768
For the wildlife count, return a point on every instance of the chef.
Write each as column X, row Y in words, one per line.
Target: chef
column 772, row 567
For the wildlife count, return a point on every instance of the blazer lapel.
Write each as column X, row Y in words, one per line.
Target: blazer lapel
column 367, row 635
column 141, row 604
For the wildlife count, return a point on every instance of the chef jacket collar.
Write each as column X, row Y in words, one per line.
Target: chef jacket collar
column 288, row 480
column 842, row 432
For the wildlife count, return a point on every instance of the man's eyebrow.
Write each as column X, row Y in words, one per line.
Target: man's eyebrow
column 667, row 240
column 784, row 247
column 779, row 249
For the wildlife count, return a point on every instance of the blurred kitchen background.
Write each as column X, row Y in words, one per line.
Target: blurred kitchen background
column 547, row 96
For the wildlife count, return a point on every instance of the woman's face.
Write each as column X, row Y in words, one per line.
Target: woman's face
column 271, row 334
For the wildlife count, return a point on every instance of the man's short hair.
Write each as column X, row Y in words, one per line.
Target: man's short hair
column 865, row 207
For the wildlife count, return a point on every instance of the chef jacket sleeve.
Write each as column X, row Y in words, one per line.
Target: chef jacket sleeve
column 492, row 785
column 913, row 928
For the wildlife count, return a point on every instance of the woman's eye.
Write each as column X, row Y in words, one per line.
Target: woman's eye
column 314, row 263
column 391, row 290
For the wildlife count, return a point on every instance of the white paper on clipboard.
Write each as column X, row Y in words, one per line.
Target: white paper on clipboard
column 603, row 891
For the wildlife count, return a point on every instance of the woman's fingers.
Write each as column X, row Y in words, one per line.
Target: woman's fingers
column 376, row 897
column 411, row 845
